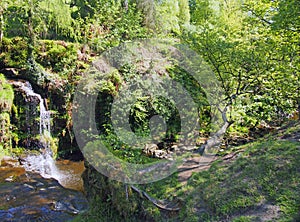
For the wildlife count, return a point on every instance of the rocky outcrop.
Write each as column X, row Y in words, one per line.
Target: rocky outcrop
column 57, row 98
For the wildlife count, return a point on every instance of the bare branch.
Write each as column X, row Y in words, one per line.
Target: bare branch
column 161, row 204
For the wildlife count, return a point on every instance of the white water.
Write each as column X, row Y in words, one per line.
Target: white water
column 43, row 163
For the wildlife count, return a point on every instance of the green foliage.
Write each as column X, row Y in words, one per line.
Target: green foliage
column 167, row 16
column 244, row 219
column 5, row 131
column 147, row 107
column 288, row 15
column 197, row 94
column 184, row 12
column 57, row 56
column 13, row 52
column 123, row 151
column 50, row 19
column 6, row 101
column 3, row 153
column 58, row 22
column 100, row 209
column 18, row 151
column 104, row 24
column 6, row 95
column 100, row 23
column 148, row 10
column 253, row 61
column 201, row 12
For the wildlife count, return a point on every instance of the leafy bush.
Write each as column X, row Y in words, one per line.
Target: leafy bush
column 13, row 52
column 58, row 56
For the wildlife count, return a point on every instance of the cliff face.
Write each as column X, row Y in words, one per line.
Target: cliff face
column 20, row 112
column 51, row 76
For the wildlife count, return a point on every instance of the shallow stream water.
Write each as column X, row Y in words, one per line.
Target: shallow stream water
column 27, row 196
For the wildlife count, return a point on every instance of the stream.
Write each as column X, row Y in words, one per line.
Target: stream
column 27, row 196
column 35, row 187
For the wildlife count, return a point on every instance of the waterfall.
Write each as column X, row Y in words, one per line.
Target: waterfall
column 44, row 119
column 45, row 126
column 42, row 163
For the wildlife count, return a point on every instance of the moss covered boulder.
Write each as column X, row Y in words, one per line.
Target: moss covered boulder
column 6, row 101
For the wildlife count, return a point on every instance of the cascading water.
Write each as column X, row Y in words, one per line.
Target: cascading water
column 43, row 163
column 34, row 121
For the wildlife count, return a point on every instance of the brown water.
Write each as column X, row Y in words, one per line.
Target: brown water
column 26, row 196
column 67, row 173
column 71, row 172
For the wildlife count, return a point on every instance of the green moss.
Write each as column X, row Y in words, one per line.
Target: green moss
column 18, row 151
column 110, row 200
column 5, row 132
column 6, row 95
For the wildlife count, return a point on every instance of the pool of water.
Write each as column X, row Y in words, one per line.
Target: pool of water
column 27, row 196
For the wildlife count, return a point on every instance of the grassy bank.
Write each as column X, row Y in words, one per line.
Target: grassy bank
column 259, row 181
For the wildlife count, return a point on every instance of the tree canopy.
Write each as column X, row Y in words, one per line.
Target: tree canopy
column 252, row 46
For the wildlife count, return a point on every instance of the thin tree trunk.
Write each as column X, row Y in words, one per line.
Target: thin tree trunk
column 1, row 24
column 216, row 139
column 125, row 5
column 31, row 35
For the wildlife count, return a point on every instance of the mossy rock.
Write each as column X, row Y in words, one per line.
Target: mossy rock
column 6, row 95
column 101, row 189
column 5, row 133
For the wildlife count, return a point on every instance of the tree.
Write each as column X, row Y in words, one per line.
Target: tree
column 3, row 11
column 147, row 7
column 184, row 12
column 250, row 59
column 287, row 25
column 58, row 22
column 168, row 16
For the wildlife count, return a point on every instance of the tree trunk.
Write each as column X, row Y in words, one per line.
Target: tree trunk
column 125, row 5
column 1, row 24
column 31, row 35
column 216, row 139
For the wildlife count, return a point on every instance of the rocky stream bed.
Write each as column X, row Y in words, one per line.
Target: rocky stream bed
column 27, row 196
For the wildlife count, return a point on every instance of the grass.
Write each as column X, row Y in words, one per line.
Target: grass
column 265, row 173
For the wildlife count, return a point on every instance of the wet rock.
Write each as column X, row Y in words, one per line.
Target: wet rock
column 9, row 162
column 10, row 72
column 153, row 150
column 160, row 154
column 150, row 149
column 33, row 144
column 38, row 199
